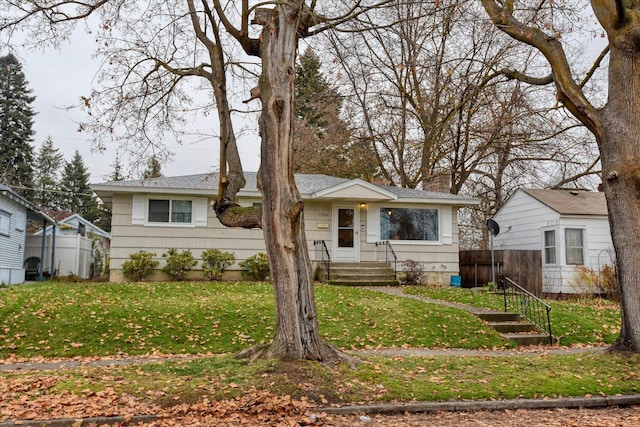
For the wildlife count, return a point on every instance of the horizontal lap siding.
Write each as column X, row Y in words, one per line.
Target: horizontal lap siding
column 597, row 240
column 128, row 239
column 12, row 246
column 521, row 222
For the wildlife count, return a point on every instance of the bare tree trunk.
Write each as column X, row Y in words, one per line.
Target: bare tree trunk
column 616, row 127
column 297, row 335
column 620, row 152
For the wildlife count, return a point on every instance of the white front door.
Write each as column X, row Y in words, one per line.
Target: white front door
column 346, row 223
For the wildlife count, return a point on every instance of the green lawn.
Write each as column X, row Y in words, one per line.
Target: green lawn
column 376, row 379
column 99, row 319
column 217, row 319
column 582, row 321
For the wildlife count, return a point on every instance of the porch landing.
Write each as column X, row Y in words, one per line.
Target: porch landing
column 359, row 274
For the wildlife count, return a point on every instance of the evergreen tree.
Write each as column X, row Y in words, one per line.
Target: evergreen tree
column 153, row 169
column 116, row 174
column 16, row 122
column 77, row 195
column 102, row 218
column 48, row 164
column 317, row 102
column 322, row 138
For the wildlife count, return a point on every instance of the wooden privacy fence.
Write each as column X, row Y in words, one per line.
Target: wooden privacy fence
column 522, row 266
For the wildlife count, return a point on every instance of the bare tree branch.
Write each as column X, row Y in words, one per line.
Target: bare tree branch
column 569, row 92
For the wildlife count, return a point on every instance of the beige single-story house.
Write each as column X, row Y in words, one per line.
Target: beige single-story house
column 570, row 227
column 350, row 217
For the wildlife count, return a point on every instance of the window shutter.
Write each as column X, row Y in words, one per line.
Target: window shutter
column 138, row 209
column 447, row 225
column 373, row 223
column 200, row 210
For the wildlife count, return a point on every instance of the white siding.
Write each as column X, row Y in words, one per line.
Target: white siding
column 12, row 247
column 205, row 233
column 72, row 254
column 523, row 221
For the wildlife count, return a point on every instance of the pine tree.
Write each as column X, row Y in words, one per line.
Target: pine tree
column 117, row 174
column 77, row 195
column 317, row 102
column 322, row 138
column 48, row 164
column 153, row 169
column 16, row 122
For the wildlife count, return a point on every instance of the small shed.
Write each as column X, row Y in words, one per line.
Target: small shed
column 81, row 247
column 569, row 227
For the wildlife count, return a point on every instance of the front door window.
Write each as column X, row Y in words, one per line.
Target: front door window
column 346, row 231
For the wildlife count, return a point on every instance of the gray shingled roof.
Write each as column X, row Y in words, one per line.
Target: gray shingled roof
column 33, row 212
column 571, row 202
column 308, row 184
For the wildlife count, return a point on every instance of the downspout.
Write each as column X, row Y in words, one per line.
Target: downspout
column 44, row 239
column 53, row 251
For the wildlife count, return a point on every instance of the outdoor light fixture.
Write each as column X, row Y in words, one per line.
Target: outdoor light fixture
column 363, row 205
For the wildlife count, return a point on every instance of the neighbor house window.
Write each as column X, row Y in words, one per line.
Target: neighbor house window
column 173, row 211
column 574, row 246
column 5, row 223
column 550, row 247
column 409, row 224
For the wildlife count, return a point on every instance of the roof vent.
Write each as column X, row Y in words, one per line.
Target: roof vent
column 574, row 192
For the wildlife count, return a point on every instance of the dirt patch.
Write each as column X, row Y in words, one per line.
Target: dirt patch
column 301, row 379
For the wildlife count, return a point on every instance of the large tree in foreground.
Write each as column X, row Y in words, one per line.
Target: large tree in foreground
column 143, row 93
column 616, row 124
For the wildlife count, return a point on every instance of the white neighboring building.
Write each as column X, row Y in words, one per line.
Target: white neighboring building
column 570, row 227
column 14, row 212
column 80, row 246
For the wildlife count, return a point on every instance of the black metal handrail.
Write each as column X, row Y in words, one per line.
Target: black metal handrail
column 528, row 305
column 326, row 257
column 389, row 249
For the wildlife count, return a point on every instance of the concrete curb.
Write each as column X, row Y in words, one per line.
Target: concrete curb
column 82, row 422
column 488, row 405
column 386, row 409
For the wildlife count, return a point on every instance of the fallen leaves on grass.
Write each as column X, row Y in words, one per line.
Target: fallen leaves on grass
column 29, row 397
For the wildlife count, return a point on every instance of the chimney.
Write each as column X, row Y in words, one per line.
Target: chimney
column 437, row 183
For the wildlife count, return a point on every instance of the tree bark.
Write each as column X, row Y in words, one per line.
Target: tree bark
column 616, row 127
column 297, row 335
column 620, row 151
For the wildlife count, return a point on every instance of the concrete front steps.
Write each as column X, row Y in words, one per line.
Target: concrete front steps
column 512, row 327
column 359, row 274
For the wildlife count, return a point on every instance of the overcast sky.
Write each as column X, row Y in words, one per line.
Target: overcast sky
column 59, row 77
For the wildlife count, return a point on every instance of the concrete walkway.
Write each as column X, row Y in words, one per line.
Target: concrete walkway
column 397, row 291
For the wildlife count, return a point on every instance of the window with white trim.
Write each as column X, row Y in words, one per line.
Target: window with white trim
column 170, row 211
column 5, row 223
column 574, row 246
column 550, row 247
column 413, row 224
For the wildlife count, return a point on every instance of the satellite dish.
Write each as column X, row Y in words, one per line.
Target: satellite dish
column 493, row 227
